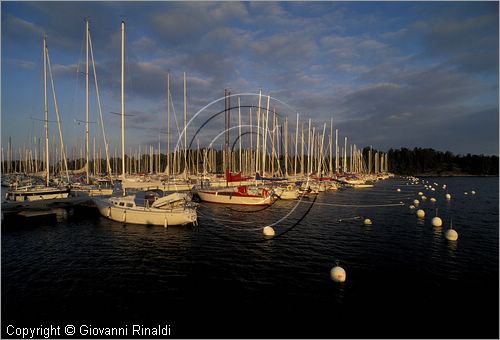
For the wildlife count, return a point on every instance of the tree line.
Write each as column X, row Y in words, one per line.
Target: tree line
column 420, row 161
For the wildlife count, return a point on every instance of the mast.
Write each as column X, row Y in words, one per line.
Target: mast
column 251, row 142
column 331, row 146
column 286, row 146
column 345, row 154
column 336, row 150
column 302, row 152
column 63, row 151
column 185, row 130
column 258, row 134
column 264, row 138
column 239, row 123
column 309, row 148
column 123, row 100
column 87, row 99
column 46, row 111
column 168, row 124
column 296, row 145
column 272, row 143
column 108, row 165
column 320, row 154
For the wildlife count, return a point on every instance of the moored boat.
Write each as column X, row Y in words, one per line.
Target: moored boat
column 150, row 207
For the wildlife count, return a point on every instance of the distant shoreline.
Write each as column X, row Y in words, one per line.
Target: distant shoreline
column 450, row 175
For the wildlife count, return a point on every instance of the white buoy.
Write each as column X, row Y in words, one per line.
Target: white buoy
column 448, row 196
column 398, row 190
column 466, row 193
column 444, row 186
column 367, row 221
column 437, row 222
column 473, row 192
column 338, row 274
column 268, row 231
column 432, row 189
column 416, row 202
column 423, row 198
column 420, row 193
column 451, row 235
column 433, row 200
column 420, row 213
column 412, row 207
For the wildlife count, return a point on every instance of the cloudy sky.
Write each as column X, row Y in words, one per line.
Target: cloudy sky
column 390, row 74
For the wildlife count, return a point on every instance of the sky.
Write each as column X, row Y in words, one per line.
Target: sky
column 389, row 74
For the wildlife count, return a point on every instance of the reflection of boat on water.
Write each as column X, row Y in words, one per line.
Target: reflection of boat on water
column 149, row 207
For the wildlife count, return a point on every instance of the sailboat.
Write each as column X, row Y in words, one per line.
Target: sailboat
column 42, row 192
column 147, row 207
column 241, row 195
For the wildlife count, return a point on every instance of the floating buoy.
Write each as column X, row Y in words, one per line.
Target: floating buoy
column 451, row 235
column 466, row 193
column 432, row 189
column 398, row 190
column 437, row 222
column 420, row 193
column 423, row 198
column 338, row 274
column 444, row 186
column 416, row 202
column 412, row 207
column 473, row 192
column 448, row 196
column 268, row 231
column 420, row 213
column 367, row 221
column 433, row 199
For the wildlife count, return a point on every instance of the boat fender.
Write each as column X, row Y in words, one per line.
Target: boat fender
column 109, row 212
column 265, row 192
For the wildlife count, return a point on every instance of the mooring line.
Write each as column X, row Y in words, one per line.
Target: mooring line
column 359, row 205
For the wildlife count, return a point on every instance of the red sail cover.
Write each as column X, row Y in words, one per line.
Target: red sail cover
column 236, row 177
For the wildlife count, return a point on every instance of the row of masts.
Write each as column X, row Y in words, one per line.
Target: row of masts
column 277, row 151
column 148, row 159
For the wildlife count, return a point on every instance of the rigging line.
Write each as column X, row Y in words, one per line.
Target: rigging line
column 181, row 145
column 43, row 120
column 264, row 239
column 119, row 114
column 77, row 84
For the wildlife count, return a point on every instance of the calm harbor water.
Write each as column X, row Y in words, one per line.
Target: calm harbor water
column 223, row 279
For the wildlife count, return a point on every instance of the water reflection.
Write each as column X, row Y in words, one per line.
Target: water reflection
column 452, row 247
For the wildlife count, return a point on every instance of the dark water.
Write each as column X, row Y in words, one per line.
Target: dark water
column 223, row 279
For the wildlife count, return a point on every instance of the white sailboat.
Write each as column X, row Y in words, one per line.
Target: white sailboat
column 150, row 207
column 242, row 195
column 43, row 192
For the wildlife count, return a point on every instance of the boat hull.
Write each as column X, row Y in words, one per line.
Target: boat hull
column 216, row 197
column 36, row 195
column 145, row 216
